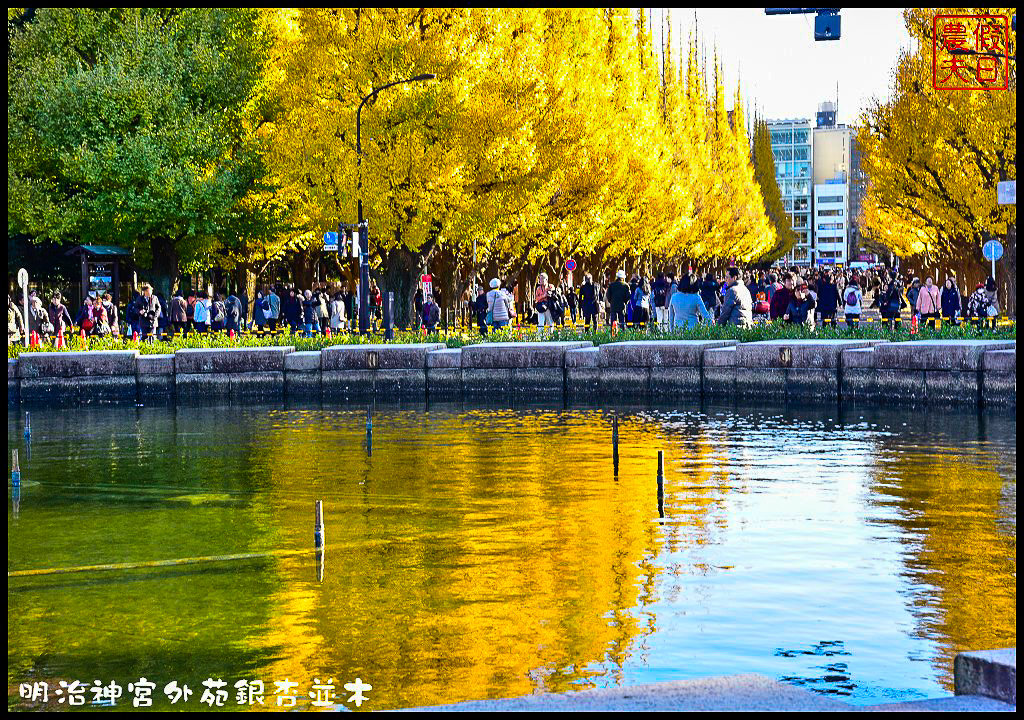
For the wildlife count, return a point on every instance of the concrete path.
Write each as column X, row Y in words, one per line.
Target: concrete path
column 749, row 692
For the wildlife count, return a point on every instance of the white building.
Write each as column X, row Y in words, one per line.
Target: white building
column 832, row 222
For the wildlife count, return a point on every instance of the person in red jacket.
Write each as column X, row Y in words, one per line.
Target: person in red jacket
column 782, row 297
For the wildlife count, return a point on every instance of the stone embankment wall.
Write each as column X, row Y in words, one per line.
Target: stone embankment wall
column 934, row 372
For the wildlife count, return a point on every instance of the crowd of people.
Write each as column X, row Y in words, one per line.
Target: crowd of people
column 667, row 301
column 810, row 298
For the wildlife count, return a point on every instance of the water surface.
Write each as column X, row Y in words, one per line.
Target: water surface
column 491, row 552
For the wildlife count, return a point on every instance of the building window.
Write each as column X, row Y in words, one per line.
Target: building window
column 830, row 213
column 802, row 152
column 800, row 204
column 830, row 199
column 800, row 137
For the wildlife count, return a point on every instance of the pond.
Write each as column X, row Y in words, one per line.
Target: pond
column 480, row 552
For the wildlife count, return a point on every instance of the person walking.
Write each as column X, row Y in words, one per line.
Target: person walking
column 218, row 312
column 499, row 311
column 852, row 300
column 929, row 303
column 642, row 300
column 952, row 302
column 149, row 312
column 309, row 321
column 15, row 323
column 179, row 313
column 913, row 293
column 274, row 302
column 292, row 310
column 201, row 315
column 618, row 296
column 233, row 314
column 978, row 307
column 260, row 311
column 737, row 307
column 337, row 310
column 58, row 313
column 589, row 298
column 828, row 298
column 39, row 319
column 431, row 314
column 660, row 300
column 542, row 304
column 98, row 317
column 992, row 294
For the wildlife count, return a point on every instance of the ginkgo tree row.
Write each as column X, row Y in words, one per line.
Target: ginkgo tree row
column 226, row 138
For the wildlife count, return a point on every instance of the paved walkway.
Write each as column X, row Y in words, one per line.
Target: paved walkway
column 749, row 692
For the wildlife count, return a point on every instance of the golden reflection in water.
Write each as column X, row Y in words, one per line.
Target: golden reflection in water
column 448, row 579
column 963, row 565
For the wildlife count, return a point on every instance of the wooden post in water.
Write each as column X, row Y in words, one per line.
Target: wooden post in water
column 615, row 444
column 28, row 427
column 318, row 539
column 369, row 431
column 661, row 483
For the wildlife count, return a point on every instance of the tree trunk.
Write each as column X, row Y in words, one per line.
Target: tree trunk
column 401, row 276
column 165, row 266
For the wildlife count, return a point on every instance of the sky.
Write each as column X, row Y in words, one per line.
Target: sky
column 783, row 70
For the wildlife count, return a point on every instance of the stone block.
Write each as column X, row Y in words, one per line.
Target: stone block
column 518, row 355
column 812, row 383
column 303, row 384
column 71, row 391
column 588, row 357
column 538, row 382
column 718, row 380
column 407, row 383
column 1004, row 361
column 155, row 365
column 13, row 392
column 658, row 353
column 626, row 382
column 77, row 364
column 12, row 368
column 796, row 353
column 990, row 673
column 674, row 382
column 900, row 387
column 202, row 386
column 858, row 384
column 999, row 390
column 342, row 384
column 720, row 357
column 760, row 383
column 447, row 359
column 943, row 387
column 486, row 382
column 953, row 355
column 378, row 357
column 582, row 383
column 444, row 382
column 307, row 361
column 231, row 360
column 153, row 385
column 858, row 358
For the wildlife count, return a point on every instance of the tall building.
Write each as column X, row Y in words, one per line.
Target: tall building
column 831, row 177
column 791, row 147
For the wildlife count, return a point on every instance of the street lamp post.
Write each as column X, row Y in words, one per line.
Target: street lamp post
column 364, row 234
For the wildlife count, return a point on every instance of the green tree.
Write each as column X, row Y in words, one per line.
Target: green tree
column 764, row 172
column 136, row 127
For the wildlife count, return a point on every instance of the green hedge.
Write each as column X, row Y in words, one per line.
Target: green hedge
column 772, row 331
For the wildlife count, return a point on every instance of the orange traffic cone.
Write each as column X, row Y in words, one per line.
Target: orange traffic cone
column 327, row 333
column 913, row 325
column 615, row 327
column 60, row 339
column 135, row 336
column 33, row 339
column 231, row 334
column 83, row 336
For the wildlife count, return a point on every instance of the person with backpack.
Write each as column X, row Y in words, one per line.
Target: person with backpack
column 952, row 303
column 642, row 301
column 852, row 303
column 218, row 312
column 233, row 314
column 499, row 311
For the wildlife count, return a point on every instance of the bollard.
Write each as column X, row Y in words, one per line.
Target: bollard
column 28, row 427
column 369, row 432
column 15, row 472
column 318, row 525
column 661, row 483
column 615, row 444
